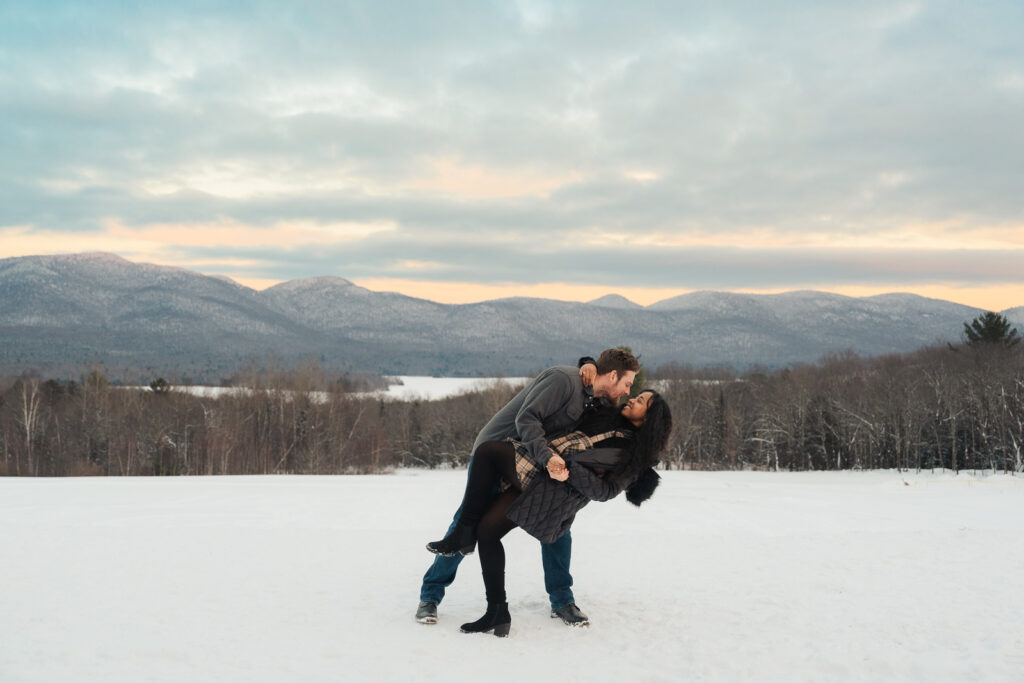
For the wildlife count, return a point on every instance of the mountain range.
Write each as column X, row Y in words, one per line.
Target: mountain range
column 62, row 313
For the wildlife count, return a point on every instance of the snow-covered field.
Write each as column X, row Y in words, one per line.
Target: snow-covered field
column 854, row 576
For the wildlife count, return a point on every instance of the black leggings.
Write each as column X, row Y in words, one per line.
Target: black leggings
column 492, row 461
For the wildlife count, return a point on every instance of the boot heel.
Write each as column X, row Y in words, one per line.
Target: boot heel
column 468, row 550
column 496, row 619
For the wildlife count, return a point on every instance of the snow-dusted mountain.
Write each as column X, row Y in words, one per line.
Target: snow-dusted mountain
column 61, row 312
column 67, row 311
column 335, row 304
column 1016, row 316
column 614, row 301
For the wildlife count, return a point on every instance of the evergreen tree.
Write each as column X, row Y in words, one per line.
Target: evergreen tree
column 991, row 328
column 640, row 379
column 159, row 386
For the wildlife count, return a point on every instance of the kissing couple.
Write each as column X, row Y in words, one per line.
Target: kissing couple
column 558, row 444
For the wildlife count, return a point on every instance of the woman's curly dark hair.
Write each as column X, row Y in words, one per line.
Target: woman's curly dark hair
column 649, row 440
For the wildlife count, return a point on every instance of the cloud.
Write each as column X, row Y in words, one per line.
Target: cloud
column 729, row 145
column 686, row 268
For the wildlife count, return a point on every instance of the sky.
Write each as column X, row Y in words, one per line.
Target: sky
column 461, row 151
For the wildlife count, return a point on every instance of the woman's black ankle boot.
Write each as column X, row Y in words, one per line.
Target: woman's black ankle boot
column 496, row 618
column 462, row 539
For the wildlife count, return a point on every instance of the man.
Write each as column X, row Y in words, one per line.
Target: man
column 549, row 406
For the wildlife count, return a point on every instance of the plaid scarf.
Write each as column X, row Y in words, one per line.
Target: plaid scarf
column 575, row 442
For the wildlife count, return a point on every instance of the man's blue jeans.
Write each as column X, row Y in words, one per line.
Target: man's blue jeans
column 554, row 556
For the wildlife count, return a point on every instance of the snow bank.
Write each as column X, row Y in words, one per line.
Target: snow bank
column 848, row 576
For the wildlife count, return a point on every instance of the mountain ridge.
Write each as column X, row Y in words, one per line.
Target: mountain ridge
column 67, row 311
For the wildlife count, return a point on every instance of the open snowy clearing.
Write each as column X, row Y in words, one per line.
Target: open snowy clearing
column 848, row 576
column 407, row 388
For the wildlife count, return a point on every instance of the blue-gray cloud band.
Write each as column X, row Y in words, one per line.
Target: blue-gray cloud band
column 689, row 268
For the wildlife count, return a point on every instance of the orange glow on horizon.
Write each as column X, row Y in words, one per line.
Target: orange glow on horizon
column 163, row 245
column 993, row 297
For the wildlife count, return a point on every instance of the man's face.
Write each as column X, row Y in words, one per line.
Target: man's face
column 620, row 385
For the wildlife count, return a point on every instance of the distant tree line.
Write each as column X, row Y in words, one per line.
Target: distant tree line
column 279, row 423
column 960, row 408
column 956, row 407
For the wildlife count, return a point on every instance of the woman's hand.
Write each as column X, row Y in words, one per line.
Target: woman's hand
column 556, row 468
column 587, row 373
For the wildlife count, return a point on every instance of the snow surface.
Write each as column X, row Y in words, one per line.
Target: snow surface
column 433, row 388
column 850, row 576
column 411, row 387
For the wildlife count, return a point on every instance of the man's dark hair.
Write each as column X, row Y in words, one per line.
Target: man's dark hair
column 618, row 359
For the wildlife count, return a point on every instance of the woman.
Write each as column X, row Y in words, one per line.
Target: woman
column 612, row 449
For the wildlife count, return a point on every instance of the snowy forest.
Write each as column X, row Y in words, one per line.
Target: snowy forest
column 956, row 407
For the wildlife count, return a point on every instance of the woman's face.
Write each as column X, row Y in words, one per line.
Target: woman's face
column 635, row 409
